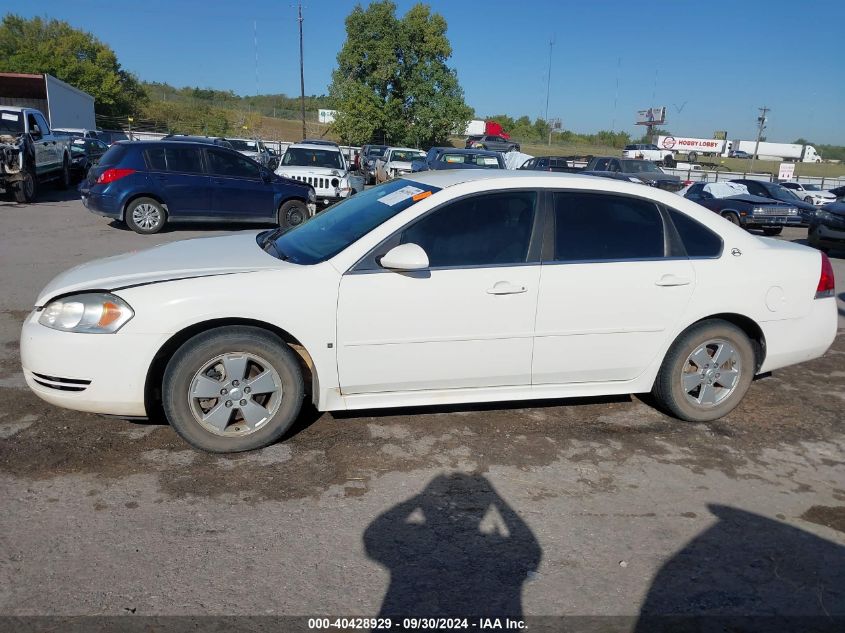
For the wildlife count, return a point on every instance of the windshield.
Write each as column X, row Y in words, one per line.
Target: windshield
column 377, row 151
column 11, row 123
column 784, row 194
column 306, row 157
column 243, row 146
column 77, row 150
column 331, row 231
column 639, row 166
column 406, row 156
column 485, row 161
column 811, row 188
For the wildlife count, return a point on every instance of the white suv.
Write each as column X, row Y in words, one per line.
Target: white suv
column 324, row 167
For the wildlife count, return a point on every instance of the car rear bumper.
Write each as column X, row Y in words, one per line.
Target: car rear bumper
column 102, row 204
column 97, row 373
column 791, row 341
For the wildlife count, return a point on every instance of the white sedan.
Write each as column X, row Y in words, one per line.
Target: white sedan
column 449, row 287
column 813, row 194
column 396, row 162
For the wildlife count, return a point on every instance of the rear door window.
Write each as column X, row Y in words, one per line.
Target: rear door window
column 176, row 159
column 596, row 227
column 232, row 165
column 699, row 241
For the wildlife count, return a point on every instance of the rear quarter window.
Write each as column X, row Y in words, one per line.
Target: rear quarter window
column 113, row 155
column 698, row 240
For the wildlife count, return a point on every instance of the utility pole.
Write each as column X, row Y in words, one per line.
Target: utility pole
column 301, row 73
column 761, row 125
column 549, row 86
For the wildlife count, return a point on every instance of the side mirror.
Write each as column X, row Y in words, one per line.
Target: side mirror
column 405, row 257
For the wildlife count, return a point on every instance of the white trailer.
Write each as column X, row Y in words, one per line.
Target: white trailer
column 475, row 127
column 779, row 151
column 64, row 106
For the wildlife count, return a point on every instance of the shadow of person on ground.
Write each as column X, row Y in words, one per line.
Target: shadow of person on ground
column 749, row 573
column 456, row 549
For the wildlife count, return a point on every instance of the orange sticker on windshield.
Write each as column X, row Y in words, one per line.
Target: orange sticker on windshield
column 420, row 196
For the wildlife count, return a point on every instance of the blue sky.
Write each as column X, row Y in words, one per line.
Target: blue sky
column 712, row 64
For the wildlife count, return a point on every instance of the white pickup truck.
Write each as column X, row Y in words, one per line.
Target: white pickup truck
column 30, row 154
column 650, row 152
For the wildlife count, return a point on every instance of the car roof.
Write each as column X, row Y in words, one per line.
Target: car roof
column 462, row 150
column 316, row 141
column 325, row 147
column 449, row 177
column 406, row 149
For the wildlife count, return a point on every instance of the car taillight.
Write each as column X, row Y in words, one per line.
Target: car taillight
column 826, row 287
column 110, row 175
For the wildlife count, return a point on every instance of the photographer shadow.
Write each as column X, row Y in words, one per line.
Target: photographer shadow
column 457, row 549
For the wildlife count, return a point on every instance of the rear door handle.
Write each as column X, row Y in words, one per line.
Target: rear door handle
column 673, row 280
column 505, row 288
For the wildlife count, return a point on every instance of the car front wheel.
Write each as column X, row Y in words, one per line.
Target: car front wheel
column 773, row 230
column 706, row 372
column 232, row 389
column 292, row 213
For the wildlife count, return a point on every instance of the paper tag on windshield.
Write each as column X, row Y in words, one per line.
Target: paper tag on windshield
column 10, row 117
column 489, row 160
column 400, row 195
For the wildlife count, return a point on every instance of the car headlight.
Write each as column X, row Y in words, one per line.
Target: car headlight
column 335, row 182
column 821, row 214
column 89, row 313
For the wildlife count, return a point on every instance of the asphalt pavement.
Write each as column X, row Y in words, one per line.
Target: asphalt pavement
column 585, row 507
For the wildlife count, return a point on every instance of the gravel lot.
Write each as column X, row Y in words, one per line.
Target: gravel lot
column 586, row 507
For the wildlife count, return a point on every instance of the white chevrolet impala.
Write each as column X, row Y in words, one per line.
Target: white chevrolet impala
column 443, row 287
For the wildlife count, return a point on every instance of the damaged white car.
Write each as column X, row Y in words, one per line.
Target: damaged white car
column 325, row 168
column 396, row 162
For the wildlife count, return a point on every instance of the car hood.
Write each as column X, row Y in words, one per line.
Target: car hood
column 285, row 170
column 400, row 164
column 751, row 199
column 201, row 257
column 837, row 208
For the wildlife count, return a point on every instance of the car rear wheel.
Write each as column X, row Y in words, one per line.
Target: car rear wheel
column 773, row 230
column 232, row 389
column 808, row 200
column 292, row 213
column 706, row 372
column 64, row 179
column 145, row 216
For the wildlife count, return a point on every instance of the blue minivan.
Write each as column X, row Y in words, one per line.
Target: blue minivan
column 147, row 184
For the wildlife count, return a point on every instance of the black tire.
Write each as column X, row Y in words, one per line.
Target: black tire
column 732, row 217
column 669, row 161
column 692, row 156
column 772, row 230
column 808, row 200
column 668, row 388
column 27, row 188
column 145, row 208
column 292, row 213
column 204, row 348
column 64, row 179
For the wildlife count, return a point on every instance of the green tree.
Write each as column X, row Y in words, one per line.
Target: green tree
column 72, row 55
column 392, row 80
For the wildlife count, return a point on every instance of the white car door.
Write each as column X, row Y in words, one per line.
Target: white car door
column 611, row 291
column 467, row 321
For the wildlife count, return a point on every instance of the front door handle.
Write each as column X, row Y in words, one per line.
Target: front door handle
column 505, row 288
column 673, row 280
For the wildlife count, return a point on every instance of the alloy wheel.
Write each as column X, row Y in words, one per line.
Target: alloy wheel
column 146, row 216
column 235, row 394
column 711, row 373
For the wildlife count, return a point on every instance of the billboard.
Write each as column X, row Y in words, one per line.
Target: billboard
column 652, row 116
column 689, row 144
column 326, row 116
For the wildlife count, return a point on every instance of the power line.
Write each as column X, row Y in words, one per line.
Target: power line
column 301, row 73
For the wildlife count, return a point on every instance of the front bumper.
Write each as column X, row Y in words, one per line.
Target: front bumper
column 97, row 373
column 771, row 220
column 823, row 235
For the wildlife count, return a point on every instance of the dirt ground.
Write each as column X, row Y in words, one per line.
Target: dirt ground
column 599, row 507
